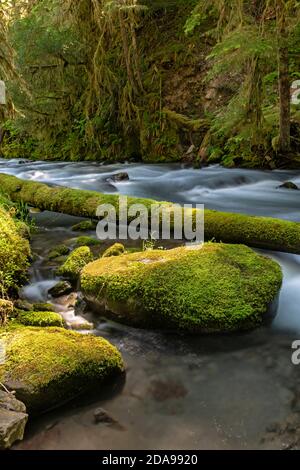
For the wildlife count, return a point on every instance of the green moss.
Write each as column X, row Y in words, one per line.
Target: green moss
column 87, row 241
column 218, row 288
column 14, row 254
column 75, row 262
column 84, row 226
column 49, row 366
column 60, row 250
column 115, row 250
column 43, row 307
column 40, row 319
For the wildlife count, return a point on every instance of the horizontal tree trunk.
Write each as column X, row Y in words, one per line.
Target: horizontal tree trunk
column 258, row 232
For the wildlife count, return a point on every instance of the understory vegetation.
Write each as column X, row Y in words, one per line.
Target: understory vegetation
column 152, row 80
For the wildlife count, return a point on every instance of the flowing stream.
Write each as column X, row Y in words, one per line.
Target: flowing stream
column 220, row 392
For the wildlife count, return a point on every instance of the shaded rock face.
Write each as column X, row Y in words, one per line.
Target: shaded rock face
column 13, row 419
column 216, row 288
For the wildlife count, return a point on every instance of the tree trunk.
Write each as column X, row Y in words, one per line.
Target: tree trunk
column 284, row 80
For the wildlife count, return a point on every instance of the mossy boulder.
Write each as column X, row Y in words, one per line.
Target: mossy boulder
column 87, row 241
column 60, row 250
column 115, row 250
column 40, row 319
column 84, row 226
column 73, row 265
column 49, row 366
column 219, row 288
column 14, row 254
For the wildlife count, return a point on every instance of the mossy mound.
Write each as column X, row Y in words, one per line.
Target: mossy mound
column 40, row 319
column 49, row 366
column 14, row 254
column 60, row 250
column 84, row 226
column 73, row 265
column 43, row 307
column 219, row 288
column 115, row 250
column 87, row 241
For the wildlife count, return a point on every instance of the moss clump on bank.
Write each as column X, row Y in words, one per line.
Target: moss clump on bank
column 41, row 319
column 14, row 254
column 84, row 226
column 219, row 288
column 87, row 241
column 75, row 262
column 60, row 250
column 48, row 366
column 115, row 250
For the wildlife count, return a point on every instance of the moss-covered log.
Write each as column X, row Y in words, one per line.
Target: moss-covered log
column 260, row 232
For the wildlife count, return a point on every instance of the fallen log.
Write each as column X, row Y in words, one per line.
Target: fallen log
column 259, row 232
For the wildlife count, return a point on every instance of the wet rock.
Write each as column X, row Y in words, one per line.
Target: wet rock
column 60, row 289
column 23, row 305
column 123, row 176
column 13, row 419
column 102, row 416
column 289, row 185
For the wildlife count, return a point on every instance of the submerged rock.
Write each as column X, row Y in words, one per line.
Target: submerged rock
column 49, row 366
column 289, row 185
column 75, row 262
column 13, row 419
column 24, row 305
column 218, row 288
column 117, row 177
column 60, row 289
column 115, row 250
column 102, row 416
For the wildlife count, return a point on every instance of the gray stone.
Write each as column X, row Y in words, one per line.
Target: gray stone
column 13, row 419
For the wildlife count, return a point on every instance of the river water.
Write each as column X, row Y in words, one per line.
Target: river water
column 237, row 391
